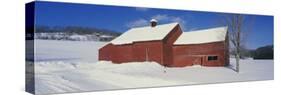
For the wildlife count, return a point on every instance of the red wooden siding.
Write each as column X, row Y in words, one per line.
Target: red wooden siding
column 187, row 55
column 135, row 52
column 148, row 51
column 116, row 53
column 168, row 45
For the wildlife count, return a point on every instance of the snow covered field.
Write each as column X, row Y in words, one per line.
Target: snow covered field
column 67, row 66
column 55, row 50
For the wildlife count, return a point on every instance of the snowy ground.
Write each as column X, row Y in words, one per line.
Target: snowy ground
column 65, row 66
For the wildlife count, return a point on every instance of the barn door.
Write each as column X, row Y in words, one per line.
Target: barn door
column 198, row 61
column 146, row 54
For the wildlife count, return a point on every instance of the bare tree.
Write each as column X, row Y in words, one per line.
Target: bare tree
column 237, row 28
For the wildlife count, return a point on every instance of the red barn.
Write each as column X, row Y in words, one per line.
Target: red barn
column 167, row 45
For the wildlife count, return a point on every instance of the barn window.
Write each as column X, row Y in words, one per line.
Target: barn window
column 210, row 58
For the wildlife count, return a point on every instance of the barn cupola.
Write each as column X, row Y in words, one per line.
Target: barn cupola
column 153, row 22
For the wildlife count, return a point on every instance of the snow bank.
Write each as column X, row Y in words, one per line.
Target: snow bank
column 60, row 77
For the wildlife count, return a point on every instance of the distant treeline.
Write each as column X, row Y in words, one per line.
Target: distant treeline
column 75, row 30
column 265, row 52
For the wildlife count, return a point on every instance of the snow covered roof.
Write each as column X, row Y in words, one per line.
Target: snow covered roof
column 202, row 36
column 147, row 33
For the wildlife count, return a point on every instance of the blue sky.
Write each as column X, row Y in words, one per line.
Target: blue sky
column 121, row 19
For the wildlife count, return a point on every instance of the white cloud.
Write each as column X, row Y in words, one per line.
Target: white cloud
column 162, row 18
column 138, row 23
column 168, row 19
column 141, row 9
